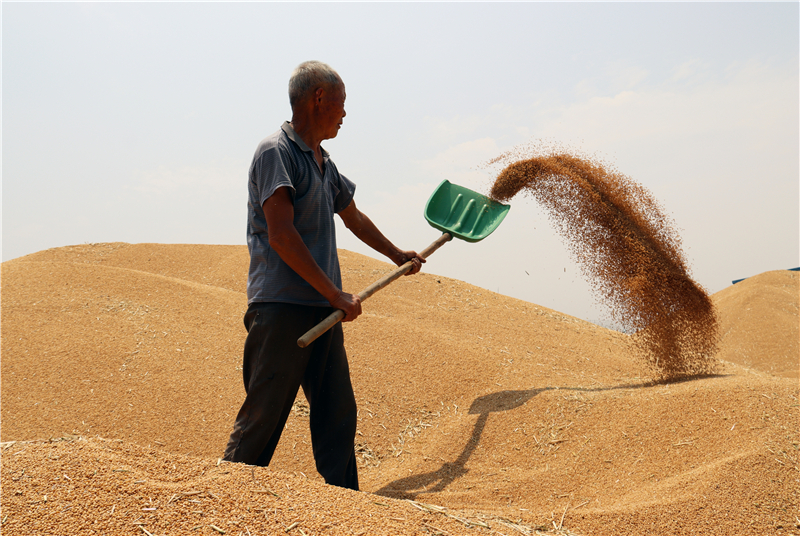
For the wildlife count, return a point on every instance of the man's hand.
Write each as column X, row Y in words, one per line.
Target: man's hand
column 412, row 256
column 350, row 304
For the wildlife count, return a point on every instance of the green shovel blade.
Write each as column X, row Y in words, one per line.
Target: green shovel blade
column 464, row 213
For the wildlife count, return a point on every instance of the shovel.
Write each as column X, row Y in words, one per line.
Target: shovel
column 457, row 212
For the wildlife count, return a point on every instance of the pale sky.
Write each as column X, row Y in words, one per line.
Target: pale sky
column 137, row 122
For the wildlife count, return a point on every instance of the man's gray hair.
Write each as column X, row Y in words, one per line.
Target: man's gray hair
column 308, row 76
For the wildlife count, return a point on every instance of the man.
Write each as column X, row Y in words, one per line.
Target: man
column 294, row 282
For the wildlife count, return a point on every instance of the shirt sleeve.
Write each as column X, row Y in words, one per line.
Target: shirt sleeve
column 273, row 170
column 347, row 190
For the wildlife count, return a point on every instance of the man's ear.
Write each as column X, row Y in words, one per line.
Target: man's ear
column 318, row 95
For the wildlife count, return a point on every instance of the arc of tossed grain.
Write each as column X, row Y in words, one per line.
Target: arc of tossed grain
column 629, row 252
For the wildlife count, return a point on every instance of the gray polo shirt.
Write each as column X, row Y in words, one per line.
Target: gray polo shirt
column 283, row 159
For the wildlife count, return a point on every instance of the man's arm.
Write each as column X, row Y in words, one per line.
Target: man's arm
column 286, row 241
column 361, row 226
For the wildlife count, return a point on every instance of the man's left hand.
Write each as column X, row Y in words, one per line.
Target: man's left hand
column 412, row 256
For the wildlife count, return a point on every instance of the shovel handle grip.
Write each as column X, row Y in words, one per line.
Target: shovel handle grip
column 336, row 316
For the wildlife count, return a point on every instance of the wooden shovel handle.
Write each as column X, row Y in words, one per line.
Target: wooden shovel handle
column 336, row 316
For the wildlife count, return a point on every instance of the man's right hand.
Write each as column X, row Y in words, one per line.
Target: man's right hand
column 350, row 304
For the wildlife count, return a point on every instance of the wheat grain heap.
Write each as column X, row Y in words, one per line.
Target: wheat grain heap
column 628, row 251
column 478, row 413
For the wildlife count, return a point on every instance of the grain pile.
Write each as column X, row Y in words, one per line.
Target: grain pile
column 751, row 312
column 97, row 486
column 478, row 413
column 629, row 252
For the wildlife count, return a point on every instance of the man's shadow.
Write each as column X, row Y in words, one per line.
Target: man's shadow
column 412, row 486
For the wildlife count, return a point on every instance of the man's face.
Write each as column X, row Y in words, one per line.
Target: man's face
column 331, row 110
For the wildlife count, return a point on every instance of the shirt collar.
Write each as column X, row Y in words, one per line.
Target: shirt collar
column 287, row 128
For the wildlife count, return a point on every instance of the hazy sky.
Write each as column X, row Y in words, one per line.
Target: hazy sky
column 137, row 122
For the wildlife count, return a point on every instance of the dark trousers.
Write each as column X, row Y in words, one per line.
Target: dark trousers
column 274, row 368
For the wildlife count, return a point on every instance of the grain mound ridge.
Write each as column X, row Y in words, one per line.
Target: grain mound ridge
column 504, row 413
column 751, row 314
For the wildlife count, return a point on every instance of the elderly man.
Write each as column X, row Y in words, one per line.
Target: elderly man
column 294, row 282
